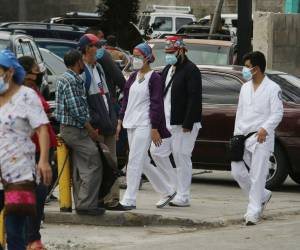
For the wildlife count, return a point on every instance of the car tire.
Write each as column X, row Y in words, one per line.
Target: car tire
column 278, row 170
column 295, row 177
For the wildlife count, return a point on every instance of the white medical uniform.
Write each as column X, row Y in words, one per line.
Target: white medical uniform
column 138, row 125
column 181, row 146
column 256, row 109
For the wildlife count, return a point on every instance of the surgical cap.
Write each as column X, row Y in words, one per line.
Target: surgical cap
column 9, row 60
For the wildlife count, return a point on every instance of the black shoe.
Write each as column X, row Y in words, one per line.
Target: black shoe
column 118, row 207
column 91, row 212
column 129, row 207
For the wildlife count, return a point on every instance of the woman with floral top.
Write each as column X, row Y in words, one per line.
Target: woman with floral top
column 21, row 114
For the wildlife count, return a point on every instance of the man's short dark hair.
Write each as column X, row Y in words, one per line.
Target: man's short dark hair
column 72, row 57
column 111, row 41
column 27, row 62
column 256, row 58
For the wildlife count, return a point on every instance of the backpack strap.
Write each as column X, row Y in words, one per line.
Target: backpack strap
column 88, row 78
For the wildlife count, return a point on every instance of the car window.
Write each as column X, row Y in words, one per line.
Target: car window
column 36, row 51
column 220, row 89
column 162, row 24
column 4, row 44
column 197, row 53
column 180, row 21
column 58, row 49
column 26, row 48
column 19, row 50
column 290, row 86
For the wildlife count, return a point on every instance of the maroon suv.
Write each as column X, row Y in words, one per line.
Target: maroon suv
column 221, row 87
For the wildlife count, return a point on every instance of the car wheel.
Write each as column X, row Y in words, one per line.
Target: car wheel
column 295, row 177
column 278, row 168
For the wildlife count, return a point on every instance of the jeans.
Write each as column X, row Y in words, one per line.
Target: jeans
column 15, row 232
column 33, row 224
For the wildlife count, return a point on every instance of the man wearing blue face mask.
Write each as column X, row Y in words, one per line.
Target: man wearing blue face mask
column 259, row 112
column 102, row 110
column 183, row 111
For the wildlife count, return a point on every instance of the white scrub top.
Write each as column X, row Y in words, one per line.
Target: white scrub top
column 137, row 112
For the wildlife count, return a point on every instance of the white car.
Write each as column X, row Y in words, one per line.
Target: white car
column 228, row 20
column 55, row 67
column 164, row 19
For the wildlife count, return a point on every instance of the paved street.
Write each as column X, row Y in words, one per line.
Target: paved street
column 280, row 234
column 215, row 197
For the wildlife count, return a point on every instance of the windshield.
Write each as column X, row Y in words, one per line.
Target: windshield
column 290, row 86
column 4, row 44
column 58, row 49
column 197, row 53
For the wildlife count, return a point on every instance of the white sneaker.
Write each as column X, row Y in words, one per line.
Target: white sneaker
column 264, row 204
column 176, row 203
column 251, row 220
column 165, row 201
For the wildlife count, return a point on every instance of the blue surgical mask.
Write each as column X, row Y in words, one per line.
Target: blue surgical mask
column 247, row 75
column 100, row 53
column 3, row 85
column 171, row 59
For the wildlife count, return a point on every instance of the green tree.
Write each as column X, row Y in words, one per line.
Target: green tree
column 118, row 13
column 116, row 17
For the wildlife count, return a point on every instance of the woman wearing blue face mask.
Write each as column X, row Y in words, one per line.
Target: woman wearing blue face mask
column 21, row 114
column 142, row 114
column 183, row 107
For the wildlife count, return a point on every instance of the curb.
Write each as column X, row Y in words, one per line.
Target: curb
column 130, row 219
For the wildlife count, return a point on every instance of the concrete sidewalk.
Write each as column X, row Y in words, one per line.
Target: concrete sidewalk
column 216, row 201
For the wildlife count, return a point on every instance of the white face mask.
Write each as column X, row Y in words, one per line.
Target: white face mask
column 3, row 85
column 137, row 63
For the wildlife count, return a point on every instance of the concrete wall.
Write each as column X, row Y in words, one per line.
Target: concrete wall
column 278, row 36
column 36, row 10
column 205, row 7
column 200, row 7
column 269, row 5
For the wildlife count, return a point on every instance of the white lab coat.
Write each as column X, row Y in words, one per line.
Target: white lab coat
column 262, row 108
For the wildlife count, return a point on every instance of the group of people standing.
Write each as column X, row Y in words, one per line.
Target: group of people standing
column 85, row 108
column 161, row 113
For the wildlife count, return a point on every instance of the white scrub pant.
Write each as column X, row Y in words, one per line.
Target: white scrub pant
column 253, row 182
column 139, row 140
column 181, row 146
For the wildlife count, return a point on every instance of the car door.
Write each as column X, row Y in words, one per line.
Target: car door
column 220, row 98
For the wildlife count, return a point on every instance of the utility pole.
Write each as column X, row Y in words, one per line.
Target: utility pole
column 217, row 18
column 244, row 32
column 22, row 15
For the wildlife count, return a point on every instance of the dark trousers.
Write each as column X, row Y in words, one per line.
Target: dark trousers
column 15, row 232
column 33, row 223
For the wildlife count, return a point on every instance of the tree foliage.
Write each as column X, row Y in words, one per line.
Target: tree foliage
column 118, row 13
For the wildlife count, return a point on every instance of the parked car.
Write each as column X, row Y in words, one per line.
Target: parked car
column 198, row 31
column 24, row 45
column 55, row 67
column 57, row 46
column 164, row 19
column 45, row 30
column 128, row 36
column 228, row 20
column 215, row 52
